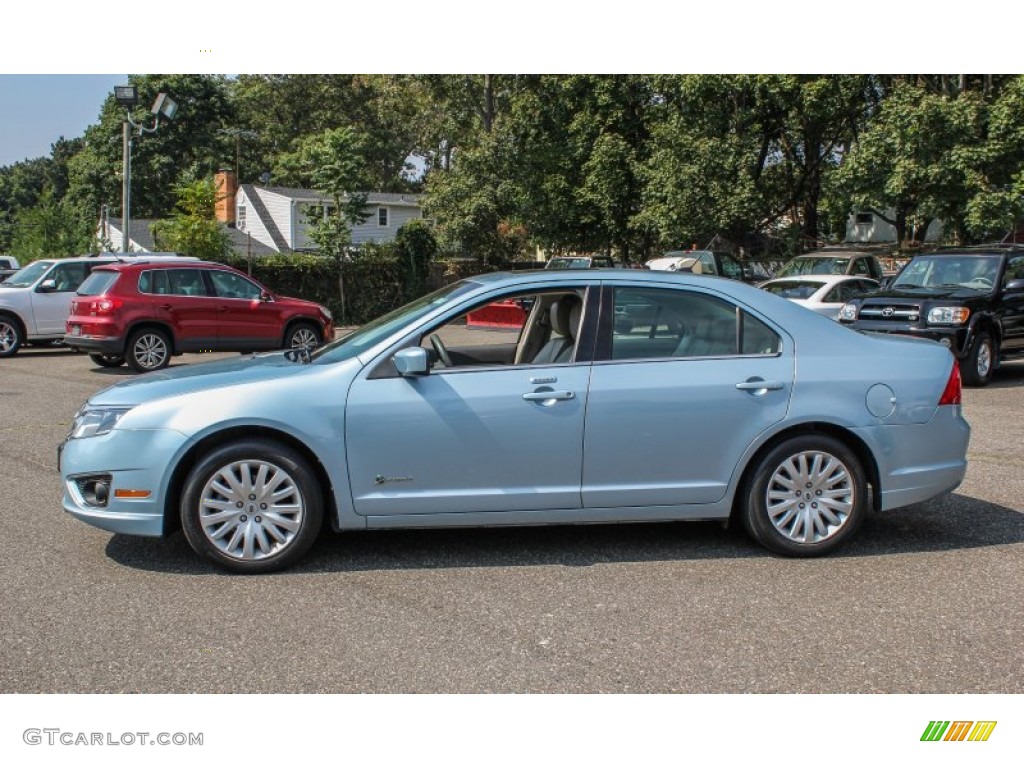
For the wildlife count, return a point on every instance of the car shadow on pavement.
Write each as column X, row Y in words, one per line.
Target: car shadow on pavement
column 948, row 523
column 1008, row 375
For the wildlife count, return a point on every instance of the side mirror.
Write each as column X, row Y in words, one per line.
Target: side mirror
column 411, row 361
column 1014, row 286
column 47, row 286
column 265, row 296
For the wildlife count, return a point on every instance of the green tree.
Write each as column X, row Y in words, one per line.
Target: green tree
column 51, row 228
column 193, row 228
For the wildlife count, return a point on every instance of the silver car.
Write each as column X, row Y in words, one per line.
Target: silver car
column 623, row 396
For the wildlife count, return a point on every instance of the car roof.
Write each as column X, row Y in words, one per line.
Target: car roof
column 139, row 263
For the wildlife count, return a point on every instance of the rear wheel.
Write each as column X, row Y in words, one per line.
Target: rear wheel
column 808, row 495
column 107, row 361
column 148, row 350
column 252, row 506
column 11, row 338
column 980, row 362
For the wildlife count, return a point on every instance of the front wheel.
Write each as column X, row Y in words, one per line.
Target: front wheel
column 302, row 335
column 10, row 337
column 107, row 361
column 252, row 506
column 149, row 350
column 980, row 363
column 807, row 496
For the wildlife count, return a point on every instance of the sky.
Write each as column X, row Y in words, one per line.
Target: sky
column 39, row 109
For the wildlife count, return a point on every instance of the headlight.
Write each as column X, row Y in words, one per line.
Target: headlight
column 948, row 315
column 848, row 312
column 90, row 423
column 326, row 313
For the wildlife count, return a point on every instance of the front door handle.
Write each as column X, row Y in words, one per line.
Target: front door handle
column 759, row 386
column 543, row 397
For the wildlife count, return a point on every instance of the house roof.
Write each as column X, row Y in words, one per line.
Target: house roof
column 139, row 233
column 241, row 243
column 372, row 198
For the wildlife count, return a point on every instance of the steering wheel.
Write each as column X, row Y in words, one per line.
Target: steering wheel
column 442, row 352
column 981, row 280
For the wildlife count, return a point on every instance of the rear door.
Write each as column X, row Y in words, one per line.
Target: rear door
column 683, row 382
column 183, row 302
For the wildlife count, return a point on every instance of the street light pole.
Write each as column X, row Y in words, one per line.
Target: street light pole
column 126, row 181
column 127, row 96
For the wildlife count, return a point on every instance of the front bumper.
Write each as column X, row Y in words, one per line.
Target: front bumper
column 953, row 337
column 135, row 460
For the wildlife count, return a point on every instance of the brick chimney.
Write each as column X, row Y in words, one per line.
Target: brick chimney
column 227, row 186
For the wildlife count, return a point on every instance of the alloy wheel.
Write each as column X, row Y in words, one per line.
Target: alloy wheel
column 810, row 497
column 251, row 510
column 150, row 351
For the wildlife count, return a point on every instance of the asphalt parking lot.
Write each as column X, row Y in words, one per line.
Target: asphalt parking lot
column 928, row 599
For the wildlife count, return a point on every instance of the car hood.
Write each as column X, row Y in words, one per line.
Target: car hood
column 200, row 377
column 958, row 293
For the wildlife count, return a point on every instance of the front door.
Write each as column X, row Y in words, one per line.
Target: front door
column 468, row 440
column 497, row 424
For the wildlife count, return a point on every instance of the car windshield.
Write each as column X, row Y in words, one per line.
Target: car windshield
column 978, row 273
column 818, row 265
column 377, row 330
column 25, row 276
column 792, row 289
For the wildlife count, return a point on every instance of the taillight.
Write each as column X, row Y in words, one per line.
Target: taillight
column 951, row 394
column 104, row 306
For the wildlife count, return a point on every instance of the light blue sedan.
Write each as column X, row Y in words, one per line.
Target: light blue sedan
column 623, row 396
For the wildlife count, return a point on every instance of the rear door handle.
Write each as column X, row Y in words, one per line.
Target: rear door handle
column 759, row 386
column 165, row 306
column 535, row 397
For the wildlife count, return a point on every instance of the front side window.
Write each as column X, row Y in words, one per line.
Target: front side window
column 1014, row 270
column 536, row 328
column 664, row 323
column 228, row 285
column 68, row 277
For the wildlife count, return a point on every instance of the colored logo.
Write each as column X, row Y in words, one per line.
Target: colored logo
column 958, row 730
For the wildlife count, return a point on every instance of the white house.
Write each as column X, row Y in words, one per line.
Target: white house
column 276, row 217
column 869, row 227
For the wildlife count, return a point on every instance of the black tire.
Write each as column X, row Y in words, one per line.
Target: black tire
column 149, row 349
column 303, row 335
column 979, row 364
column 809, row 524
column 106, row 361
column 11, row 336
column 215, row 539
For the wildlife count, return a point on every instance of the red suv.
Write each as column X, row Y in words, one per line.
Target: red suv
column 143, row 313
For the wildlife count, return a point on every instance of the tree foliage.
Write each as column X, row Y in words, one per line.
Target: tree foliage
column 192, row 229
column 630, row 164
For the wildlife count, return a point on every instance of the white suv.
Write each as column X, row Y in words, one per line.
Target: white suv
column 35, row 301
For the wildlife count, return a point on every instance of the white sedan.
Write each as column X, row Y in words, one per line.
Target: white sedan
column 824, row 294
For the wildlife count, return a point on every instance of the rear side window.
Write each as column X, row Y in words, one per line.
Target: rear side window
column 659, row 323
column 98, row 283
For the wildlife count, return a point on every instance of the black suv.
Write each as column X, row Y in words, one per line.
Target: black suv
column 970, row 300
